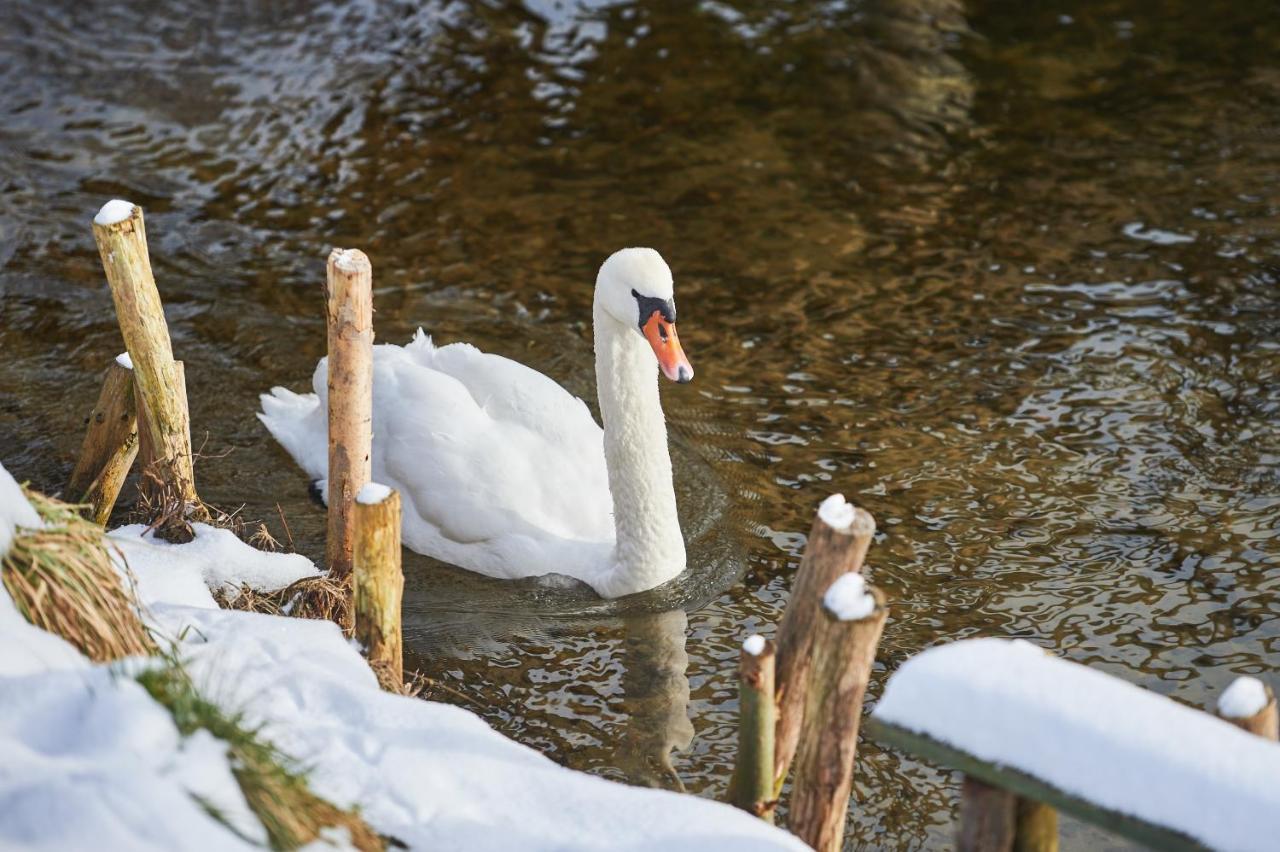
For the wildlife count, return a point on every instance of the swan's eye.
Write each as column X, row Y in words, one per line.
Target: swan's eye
column 662, row 332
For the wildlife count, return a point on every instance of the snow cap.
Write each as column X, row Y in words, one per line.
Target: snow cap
column 754, row 644
column 1245, row 697
column 115, row 210
column 848, row 598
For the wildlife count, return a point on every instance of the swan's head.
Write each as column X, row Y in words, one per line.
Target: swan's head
column 635, row 288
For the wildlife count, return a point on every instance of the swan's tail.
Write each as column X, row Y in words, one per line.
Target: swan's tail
column 298, row 422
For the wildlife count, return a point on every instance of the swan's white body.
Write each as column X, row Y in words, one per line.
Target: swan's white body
column 501, row 470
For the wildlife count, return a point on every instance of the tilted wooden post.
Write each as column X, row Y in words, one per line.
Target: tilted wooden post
column 151, row 470
column 988, row 818
column 838, row 544
column 1250, row 704
column 110, row 444
column 122, row 242
column 844, row 650
column 1037, row 827
column 379, row 582
column 349, row 297
column 751, row 787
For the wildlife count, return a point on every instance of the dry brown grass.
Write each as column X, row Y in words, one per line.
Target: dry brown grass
column 311, row 597
column 62, row 580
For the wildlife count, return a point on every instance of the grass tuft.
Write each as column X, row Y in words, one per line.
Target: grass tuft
column 62, row 580
column 274, row 785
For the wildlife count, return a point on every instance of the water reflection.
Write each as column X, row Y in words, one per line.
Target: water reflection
column 656, row 689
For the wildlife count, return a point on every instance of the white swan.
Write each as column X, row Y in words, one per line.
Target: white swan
column 501, row 470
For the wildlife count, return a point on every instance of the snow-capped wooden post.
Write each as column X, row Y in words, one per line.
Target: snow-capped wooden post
column 110, row 444
column 751, row 787
column 844, row 650
column 838, row 543
column 1250, row 704
column 379, row 582
column 122, row 242
column 988, row 818
column 349, row 299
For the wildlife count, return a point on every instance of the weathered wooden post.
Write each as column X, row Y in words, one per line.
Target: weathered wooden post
column 844, row 650
column 1250, row 704
column 349, row 298
column 751, row 787
column 379, row 582
column 838, row 544
column 988, row 818
column 110, row 443
column 122, row 242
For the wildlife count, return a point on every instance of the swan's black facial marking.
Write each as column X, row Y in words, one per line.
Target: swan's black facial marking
column 649, row 304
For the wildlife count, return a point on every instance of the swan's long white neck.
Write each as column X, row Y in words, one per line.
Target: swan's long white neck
column 650, row 548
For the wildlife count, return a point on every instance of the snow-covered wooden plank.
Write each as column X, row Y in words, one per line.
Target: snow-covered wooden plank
column 1092, row 745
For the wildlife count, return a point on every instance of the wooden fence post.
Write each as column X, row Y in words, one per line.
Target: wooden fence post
column 988, row 818
column 1250, row 704
column 122, row 243
column 379, row 582
column 844, row 650
column 838, row 543
column 751, row 787
column 110, row 444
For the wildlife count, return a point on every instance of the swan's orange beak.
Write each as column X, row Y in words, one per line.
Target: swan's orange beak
column 666, row 345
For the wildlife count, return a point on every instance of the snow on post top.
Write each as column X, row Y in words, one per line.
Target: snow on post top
column 836, row 513
column 372, row 493
column 115, row 210
column 124, row 360
column 754, row 644
column 349, row 260
column 1094, row 737
column 848, row 599
column 1245, row 697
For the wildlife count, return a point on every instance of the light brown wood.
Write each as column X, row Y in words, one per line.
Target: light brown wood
column 829, row 553
column 1265, row 723
column 751, row 787
column 379, row 588
column 172, row 520
column 349, row 300
column 844, row 652
column 988, row 818
column 1037, row 827
column 110, row 445
column 123, row 248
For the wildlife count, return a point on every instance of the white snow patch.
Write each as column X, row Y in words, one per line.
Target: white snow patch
column 124, row 360
column 848, row 599
column 1138, row 231
column 1093, row 736
column 836, row 513
column 349, row 260
column 115, row 210
column 15, row 510
column 1245, row 697
column 167, row 572
column 754, row 644
column 372, row 493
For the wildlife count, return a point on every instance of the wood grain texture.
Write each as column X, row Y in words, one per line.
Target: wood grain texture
column 751, row 787
column 110, row 445
column 379, row 588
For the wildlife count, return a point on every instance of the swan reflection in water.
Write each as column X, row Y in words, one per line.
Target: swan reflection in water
column 655, row 687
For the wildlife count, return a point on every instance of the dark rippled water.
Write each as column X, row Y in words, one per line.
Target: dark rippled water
column 1003, row 273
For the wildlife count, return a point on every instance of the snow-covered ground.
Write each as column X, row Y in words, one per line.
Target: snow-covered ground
column 1094, row 736
column 89, row 761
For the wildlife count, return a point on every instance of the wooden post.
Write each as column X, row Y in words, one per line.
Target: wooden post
column 1037, row 827
column 844, row 650
column 838, row 544
column 988, row 818
column 1250, row 704
column 110, row 444
column 349, row 297
column 751, row 787
column 379, row 582
column 122, row 242
column 151, row 480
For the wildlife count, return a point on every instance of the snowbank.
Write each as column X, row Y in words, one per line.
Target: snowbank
column 88, row 760
column 1093, row 736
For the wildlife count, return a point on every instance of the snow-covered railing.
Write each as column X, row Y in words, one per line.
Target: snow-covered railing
column 1089, row 744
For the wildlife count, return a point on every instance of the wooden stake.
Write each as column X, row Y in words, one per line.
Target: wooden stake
column 844, row 652
column 1037, row 827
column 122, row 242
column 1265, row 722
column 833, row 550
column 379, row 582
column 988, row 818
column 349, row 297
column 110, row 445
column 751, row 787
